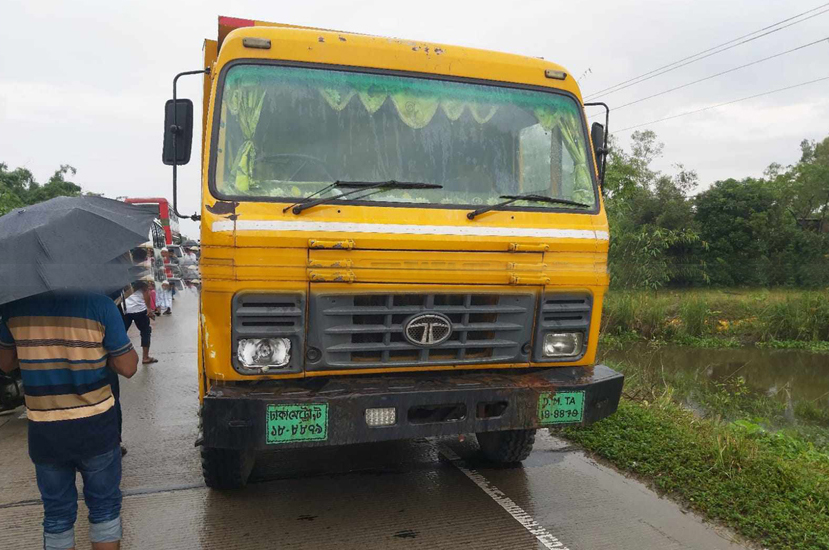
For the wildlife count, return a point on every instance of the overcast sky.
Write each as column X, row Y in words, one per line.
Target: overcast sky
column 84, row 82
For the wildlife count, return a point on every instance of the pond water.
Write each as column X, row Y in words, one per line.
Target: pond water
column 790, row 374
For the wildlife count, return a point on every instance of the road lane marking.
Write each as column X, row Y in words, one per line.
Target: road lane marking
column 544, row 537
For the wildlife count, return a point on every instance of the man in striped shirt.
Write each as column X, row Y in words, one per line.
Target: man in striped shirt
column 65, row 345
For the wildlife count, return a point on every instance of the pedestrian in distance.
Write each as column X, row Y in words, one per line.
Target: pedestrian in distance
column 152, row 305
column 165, row 299
column 66, row 345
column 136, row 310
column 190, row 257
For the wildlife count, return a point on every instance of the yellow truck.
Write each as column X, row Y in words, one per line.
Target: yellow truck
column 400, row 240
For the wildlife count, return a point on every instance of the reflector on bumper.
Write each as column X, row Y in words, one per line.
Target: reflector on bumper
column 381, row 417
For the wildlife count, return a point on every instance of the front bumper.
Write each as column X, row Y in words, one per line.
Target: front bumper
column 235, row 417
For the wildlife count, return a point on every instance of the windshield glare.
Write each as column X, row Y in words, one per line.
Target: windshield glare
column 288, row 132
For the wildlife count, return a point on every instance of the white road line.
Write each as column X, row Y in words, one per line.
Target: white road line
column 518, row 513
column 402, row 229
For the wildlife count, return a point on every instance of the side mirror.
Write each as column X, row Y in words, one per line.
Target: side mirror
column 178, row 132
column 597, row 137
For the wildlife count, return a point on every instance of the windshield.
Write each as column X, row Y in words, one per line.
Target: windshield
column 288, row 132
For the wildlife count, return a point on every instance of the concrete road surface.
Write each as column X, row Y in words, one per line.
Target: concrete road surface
column 415, row 494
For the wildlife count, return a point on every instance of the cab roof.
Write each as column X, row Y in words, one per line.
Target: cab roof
column 329, row 47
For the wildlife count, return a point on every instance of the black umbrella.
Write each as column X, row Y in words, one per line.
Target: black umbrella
column 69, row 243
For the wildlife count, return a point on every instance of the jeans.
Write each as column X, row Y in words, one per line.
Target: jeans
column 142, row 321
column 101, row 491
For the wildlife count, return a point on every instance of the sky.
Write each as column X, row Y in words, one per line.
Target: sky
column 84, row 82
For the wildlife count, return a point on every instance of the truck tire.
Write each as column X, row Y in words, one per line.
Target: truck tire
column 226, row 468
column 507, row 447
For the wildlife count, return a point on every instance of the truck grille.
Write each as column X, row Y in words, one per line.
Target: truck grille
column 367, row 330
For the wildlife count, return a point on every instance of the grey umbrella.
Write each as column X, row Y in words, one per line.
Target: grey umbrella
column 69, row 243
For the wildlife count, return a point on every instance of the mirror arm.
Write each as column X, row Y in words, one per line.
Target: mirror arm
column 604, row 150
column 175, row 130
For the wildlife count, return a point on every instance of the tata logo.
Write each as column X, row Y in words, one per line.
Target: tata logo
column 427, row 329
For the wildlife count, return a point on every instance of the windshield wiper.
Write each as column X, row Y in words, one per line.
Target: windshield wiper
column 311, row 196
column 357, row 187
column 525, row 197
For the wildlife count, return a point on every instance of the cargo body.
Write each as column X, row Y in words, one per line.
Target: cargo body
column 365, row 275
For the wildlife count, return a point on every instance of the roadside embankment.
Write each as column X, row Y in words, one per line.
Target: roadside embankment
column 747, row 460
column 796, row 319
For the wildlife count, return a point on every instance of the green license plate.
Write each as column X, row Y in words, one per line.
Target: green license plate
column 562, row 407
column 289, row 423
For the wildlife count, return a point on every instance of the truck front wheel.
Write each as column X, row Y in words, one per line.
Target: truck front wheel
column 226, row 468
column 507, row 447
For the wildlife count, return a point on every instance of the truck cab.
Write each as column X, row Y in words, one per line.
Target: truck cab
column 399, row 239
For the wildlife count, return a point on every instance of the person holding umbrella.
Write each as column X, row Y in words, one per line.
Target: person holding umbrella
column 66, row 336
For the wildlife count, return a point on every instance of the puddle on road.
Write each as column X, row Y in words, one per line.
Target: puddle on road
column 799, row 375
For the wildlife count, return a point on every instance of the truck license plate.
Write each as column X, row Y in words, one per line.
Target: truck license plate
column 289, row 423
column 563, row 407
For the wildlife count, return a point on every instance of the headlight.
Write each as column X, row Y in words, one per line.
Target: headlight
column 264, row 353
column 563, row 344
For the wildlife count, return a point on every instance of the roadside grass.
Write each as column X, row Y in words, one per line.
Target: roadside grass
column 794, row 344
column 741, row 458
column 790, row 319
column 770, row 488
column 810, row 412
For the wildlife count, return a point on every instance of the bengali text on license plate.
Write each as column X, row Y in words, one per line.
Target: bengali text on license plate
column 289, row 423
column 561, row 407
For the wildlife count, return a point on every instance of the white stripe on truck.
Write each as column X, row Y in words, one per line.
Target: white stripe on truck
column 405, row 229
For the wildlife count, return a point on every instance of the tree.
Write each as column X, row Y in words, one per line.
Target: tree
column 57, row 186
column 803, row 191
column 754, row 232
column 627, row 172
column 735, row 218
column 754, row 240
column 653, row 238
column 810, row 182
column 19, row 188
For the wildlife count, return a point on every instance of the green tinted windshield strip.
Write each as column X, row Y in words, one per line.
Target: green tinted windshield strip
column 263, row 75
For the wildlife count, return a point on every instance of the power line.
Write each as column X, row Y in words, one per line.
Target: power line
column 826, row 39
column 713, row 51
column 680, row 65
column 724, row 104
column 670, row 65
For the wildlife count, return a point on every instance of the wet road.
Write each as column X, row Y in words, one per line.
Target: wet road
column 417, row 494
